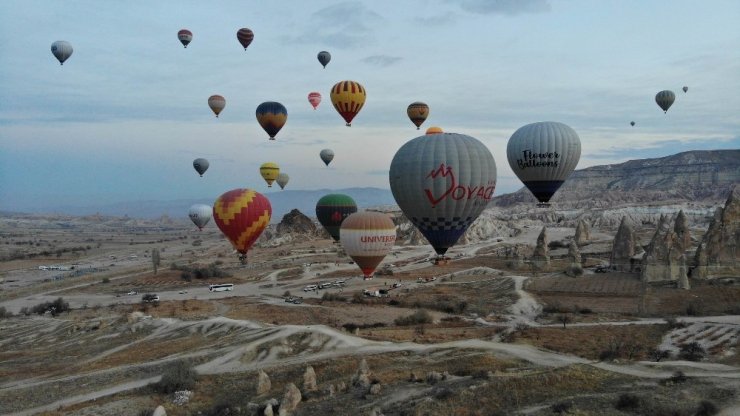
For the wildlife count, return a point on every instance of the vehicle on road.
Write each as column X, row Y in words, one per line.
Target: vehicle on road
column 221, row 287
column 132, row 293
column 310, row 288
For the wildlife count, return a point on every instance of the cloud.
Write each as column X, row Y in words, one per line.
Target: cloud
column 343, row 25
column 506, row 7
column 381, row 60
column 437, row 20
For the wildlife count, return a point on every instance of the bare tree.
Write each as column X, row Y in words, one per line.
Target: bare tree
column 564, row 319
column 155, row 259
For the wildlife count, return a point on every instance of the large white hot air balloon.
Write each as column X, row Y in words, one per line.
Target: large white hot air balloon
column 61, row 50
column 442, row 182
column 543, row 155
column 200, row 214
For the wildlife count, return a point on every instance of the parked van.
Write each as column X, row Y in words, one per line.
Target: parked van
column 310, row 288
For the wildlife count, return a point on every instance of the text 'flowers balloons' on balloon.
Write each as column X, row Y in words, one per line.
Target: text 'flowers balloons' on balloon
column 348, row 97
column 242, row 215
column 332, row 209
column 543, row 155
column 367, row 237
column 442, row 182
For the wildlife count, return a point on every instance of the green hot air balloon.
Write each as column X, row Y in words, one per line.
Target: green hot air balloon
column 543, row 155
column 665, row 99
column 442, row 182
column 332, row 209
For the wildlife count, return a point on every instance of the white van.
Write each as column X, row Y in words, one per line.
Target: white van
column 310, row 288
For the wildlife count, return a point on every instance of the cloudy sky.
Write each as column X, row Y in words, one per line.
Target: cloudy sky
column 125, row 116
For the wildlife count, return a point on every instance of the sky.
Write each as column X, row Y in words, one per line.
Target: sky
column 124, row 117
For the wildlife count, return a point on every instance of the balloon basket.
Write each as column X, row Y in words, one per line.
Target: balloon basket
column 243, row 259
column 544, row 205
column 441, row 261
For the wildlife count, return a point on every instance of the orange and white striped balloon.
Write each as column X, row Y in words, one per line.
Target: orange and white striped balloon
column 367, row 237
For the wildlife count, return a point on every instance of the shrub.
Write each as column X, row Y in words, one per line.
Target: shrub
column 4, row 313
column 561, row 407
column 55, row 308
column 421, row 316
column 692, row 351
column 676, row 378
column 178, row 377
column 333, row 297
column 627, row 401
column 658, row 354
column 105, row 280
column 706, row 408
column 145, row 412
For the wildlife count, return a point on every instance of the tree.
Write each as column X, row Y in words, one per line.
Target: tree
column 155, row 259
column 564, row 319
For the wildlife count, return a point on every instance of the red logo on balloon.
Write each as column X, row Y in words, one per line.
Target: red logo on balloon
column 455, row 191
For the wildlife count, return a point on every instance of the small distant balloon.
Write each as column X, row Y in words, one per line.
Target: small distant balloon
column 434, row 130
column 282, row 180
column 418, row 113
column 632, row 123
column 200, row 214
column 185, row 37
column 314, row 98
column 62, row 50
column 324, row 57
column 245, row 36
column 217, row 103
column 200, row 165
column 665, row 99
column 272, row 117
column 269, row 172
column 685, row 89
column 348, row 97
column 327, row 155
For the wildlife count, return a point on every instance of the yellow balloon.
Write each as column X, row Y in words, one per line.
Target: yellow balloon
column 348, row 97
column 269, row 172
column 434, row 130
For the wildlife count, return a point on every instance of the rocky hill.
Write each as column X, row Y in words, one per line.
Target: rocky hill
column 700, row 175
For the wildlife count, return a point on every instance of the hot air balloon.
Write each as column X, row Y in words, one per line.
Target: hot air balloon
column 442, row 182
column 543, row 155
column 200, row 165
column 332, row 209
column 348, row 98
column 217, row 104
column 324, row 57
column 685, row 89
column 632, row 123
column 242, row 215
column 417, row 112
column 282, row 180
column 269, row 172
column 314, row 98
column 367, row 237
column 434, row 130
column 327, row 155
column 185, row 37
column 61, row 50
column 200, row 214
column 665, row 99
column 245, row 37
column 272, row 117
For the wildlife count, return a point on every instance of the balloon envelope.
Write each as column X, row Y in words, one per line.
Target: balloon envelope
column 217, row 104
column 200, row 165
column 685, row 89
column 324, row 57
column 332, row 209
column 632, row 123
column 665, row 99
column 434, row 130
column 200, row 214
column 282, row 180
column 543, row 155
column 62, row 50
column 185, row 37
column 314, row 98
column 269, row 172
column 242, row 215
column 245, row 36
column 272, row 117
column 442, row 182
column 367, row 237
column 327, row 155
column 418, row 113
column 348, row 97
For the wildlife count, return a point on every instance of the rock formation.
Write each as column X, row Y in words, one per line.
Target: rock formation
column 575, row 268
column 309, row 379
column 296, row 222
column 583, row 233
column 362, row 377
column 717, row 255
column 624, row 248
column 263, row 383
column 541, row 256
column 159, row 411
column 291, row 398
column 663, row 257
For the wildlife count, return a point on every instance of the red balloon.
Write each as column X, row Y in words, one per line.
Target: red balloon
column 314, row 98
column 242, row 215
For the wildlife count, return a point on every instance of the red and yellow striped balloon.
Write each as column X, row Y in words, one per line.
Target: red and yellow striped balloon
column 242, row 215
column 348, row 97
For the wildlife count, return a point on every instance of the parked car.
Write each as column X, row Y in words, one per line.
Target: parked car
column 298, row 301
column 132, row 293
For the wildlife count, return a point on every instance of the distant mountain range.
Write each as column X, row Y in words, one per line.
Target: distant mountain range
column 688, row 176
